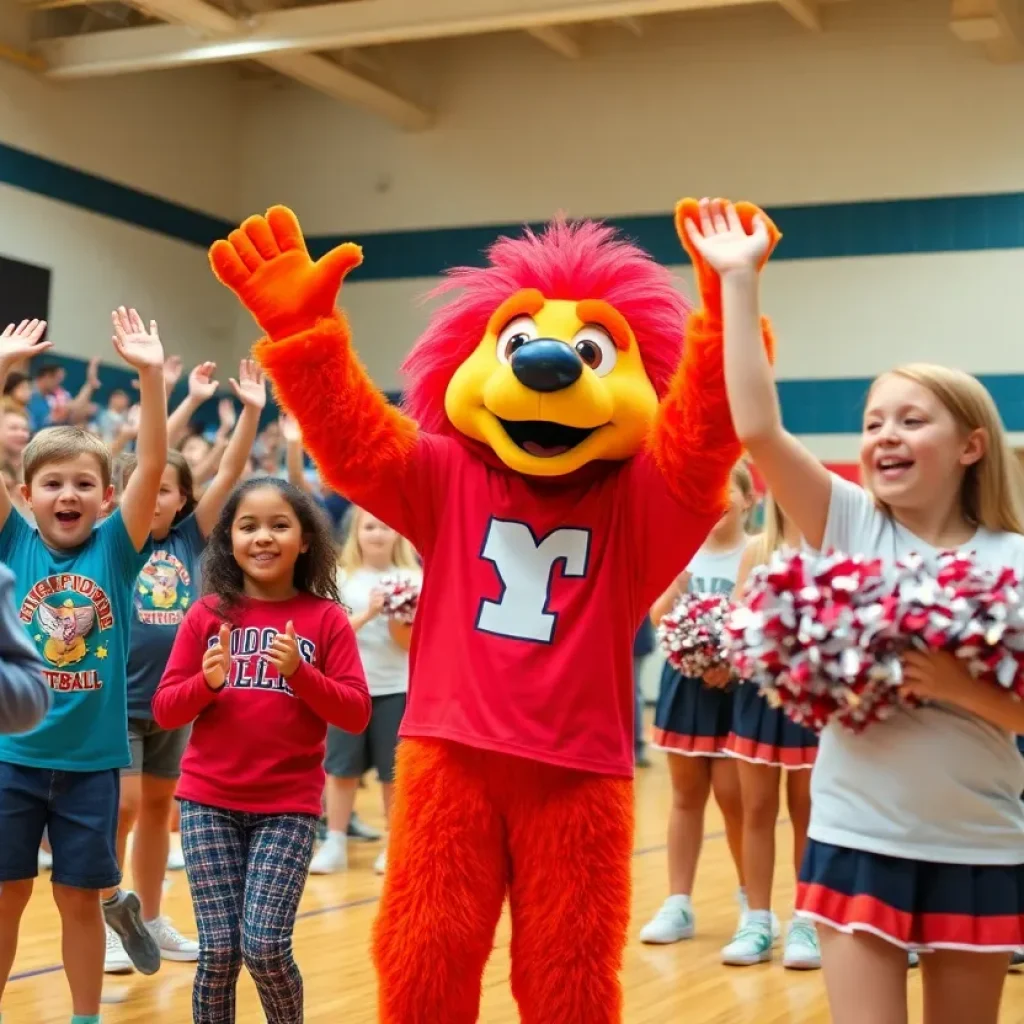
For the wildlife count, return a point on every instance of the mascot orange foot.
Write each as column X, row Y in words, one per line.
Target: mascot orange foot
column 563, row 453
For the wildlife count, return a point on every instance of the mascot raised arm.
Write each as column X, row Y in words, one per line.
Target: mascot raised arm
column 561, row 456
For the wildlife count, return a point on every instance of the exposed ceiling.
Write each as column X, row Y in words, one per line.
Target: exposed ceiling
column 332, row 46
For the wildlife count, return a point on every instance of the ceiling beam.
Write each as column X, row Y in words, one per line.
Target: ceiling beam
column 632, row 25
column 807, row 12
column 316, row 72
column 326, row 76
column 21, row 59
column 564, row 41
column 998, row 24
column 339, row 25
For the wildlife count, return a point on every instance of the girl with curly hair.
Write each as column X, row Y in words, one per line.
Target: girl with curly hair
column 262, row 664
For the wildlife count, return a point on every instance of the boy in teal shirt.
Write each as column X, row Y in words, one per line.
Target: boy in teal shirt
column 73, row 593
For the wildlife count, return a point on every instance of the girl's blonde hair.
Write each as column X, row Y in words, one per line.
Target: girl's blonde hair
column 350, row 557
column 742, row 478
column 991, row 493
column 773, row 536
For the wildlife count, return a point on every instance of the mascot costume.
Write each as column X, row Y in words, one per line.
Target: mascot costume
column 561, row 456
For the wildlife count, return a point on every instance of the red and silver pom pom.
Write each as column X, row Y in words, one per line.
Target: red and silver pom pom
column 824, row 637
column 804, row 634
column 401, row 596
column 691, row 634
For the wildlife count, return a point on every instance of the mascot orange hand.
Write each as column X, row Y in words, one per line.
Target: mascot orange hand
column 709, row 284
column 266, row 264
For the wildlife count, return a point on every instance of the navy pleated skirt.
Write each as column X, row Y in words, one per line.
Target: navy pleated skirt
column 692, row 718
column 765, row 735
column 914, row 904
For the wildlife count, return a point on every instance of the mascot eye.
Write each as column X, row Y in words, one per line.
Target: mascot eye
column 595, row 347
column 514, row 335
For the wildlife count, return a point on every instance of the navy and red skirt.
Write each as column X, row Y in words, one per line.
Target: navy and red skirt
column 691, row 718
column 765, row 735
column 914, row 904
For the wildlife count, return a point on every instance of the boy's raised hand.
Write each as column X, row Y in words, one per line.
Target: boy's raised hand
column 201, row 385
column 134, row 344
column 22, row 342
column 251, row 387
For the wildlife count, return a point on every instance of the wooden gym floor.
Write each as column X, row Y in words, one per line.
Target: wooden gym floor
column 663, row 984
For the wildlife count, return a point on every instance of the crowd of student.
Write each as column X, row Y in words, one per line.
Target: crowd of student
column 165, row 591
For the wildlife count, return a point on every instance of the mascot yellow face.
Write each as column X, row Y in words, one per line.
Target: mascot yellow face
column 554, row 384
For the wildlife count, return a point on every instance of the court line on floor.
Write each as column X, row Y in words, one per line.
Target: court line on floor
column 364, row 901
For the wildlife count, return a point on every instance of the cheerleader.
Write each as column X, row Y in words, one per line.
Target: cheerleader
column 916, row 838
column 766, row 742
column 692, row 724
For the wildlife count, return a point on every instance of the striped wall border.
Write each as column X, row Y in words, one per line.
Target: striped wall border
column 955, row 223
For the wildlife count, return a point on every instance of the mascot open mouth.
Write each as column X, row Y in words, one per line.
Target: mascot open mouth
column 544, row 439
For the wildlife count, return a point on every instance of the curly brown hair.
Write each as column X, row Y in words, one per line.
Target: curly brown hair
column 314, row 569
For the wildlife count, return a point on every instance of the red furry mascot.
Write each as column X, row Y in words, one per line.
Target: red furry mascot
column 555, row 468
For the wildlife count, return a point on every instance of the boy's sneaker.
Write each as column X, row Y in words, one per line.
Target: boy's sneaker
column 116, row 960
column 44, row 859
column 752, row 944
column 673, row 922
column 361, row 832
column 331, row 858
column 123, row 913
column 380, row 865
column 175, row 858
column 802, row 952
column 1017, row 959
column 173, row 945
column 913, row 960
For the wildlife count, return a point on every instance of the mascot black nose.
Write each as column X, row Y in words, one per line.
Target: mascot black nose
column 546, row 365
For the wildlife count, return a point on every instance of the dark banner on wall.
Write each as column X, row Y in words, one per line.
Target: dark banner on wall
column 24, row 292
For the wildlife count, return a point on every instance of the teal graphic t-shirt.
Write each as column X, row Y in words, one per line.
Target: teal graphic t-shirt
column 76, row 608
column 164, row 592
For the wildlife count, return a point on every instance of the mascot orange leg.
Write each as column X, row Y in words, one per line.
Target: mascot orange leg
column 467, row 825
column 571, row 837
column 444, row 888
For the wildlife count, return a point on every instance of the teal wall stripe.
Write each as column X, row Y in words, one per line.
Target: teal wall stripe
column 829, row 406
column 827, row 231
column 67, row 184
column 964, row 223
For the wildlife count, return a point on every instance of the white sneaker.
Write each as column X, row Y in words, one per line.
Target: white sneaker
column 175, row 859
column 673, row 922
column 116, row 960
column 329, row 859
column 380, row 865
column 44, row 859
column 752, row 944
column 802, row 952
column 741, row 899
column 173, row 945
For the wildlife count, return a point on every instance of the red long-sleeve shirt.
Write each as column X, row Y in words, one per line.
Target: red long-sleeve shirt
column 258, row 743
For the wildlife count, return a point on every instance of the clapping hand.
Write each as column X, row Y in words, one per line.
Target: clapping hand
column 217, row 660
column 283, row 652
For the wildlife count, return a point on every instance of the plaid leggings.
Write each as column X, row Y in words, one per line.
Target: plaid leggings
column 246, row 872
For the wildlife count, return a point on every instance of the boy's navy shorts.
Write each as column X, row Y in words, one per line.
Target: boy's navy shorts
column 78, row 811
